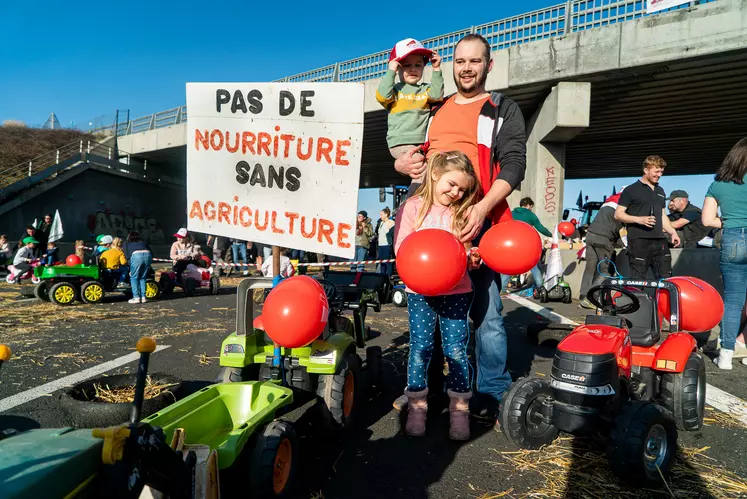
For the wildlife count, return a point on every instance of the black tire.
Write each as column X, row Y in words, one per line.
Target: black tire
column 92, row 292
column 83, row 412
column 272, row 472
column 166, row 284
column 640, row 424
column 190, row 285
column 544, row 296
column 374, row 364
column 40, row 291
column 519, row 418
column 230, row 375
column 63, row 289
column 333, row 396
column 684, row 393
column 214, row 285
column 399, row 298
column 541, row 332
column 567, row 296
column 152, row 289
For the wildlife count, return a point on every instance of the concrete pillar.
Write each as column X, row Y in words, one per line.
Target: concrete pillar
column 562, row 116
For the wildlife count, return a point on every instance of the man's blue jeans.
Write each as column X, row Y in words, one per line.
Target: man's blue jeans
column 139, row 265
column 493, row 378
column 237, row 248
column 536, row 275
column 734, row 272
column 361, row 252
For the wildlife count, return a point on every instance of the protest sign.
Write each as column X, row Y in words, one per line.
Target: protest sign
column 276, row 163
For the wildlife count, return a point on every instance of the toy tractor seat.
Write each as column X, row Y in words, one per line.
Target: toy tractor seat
column 643, row 323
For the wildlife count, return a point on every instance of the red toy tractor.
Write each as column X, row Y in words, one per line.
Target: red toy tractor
column 614, row 373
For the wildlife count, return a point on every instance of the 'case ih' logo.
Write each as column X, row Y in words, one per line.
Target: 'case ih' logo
column 573, row 377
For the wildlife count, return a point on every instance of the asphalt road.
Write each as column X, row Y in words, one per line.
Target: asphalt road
column 377, row 459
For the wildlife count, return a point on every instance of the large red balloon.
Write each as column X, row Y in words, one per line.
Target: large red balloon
column 73, row 260
column 295, row 312
column 511, row 247
column 431, row 261
column 701, row 307
column 566, row 228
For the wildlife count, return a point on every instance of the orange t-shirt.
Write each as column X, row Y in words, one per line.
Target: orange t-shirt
column 455, row 129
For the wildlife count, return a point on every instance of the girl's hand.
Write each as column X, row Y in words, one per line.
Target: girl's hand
column 394, row 66
column 436, row 60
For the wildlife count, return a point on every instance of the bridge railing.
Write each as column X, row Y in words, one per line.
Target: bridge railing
column 553, row 21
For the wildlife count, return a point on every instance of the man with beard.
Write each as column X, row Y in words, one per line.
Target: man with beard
column 642, row 207
column 489, row 128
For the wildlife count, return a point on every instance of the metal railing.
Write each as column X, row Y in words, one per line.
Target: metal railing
column 556, row 20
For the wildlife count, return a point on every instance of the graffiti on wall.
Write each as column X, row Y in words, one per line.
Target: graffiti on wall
column 551, row 190
column 120, row 224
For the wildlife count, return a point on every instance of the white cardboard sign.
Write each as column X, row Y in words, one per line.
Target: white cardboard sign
column 657, row 5
column 276, row 163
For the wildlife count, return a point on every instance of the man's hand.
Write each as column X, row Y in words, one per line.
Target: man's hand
column 475, row 219
column 411, row 163
column 675, row 239
column 394, row 66
column 647, row 221
column 436, row 60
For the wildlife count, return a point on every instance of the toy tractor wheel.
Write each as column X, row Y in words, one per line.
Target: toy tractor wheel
column 274, row 461
column 230, row 375
column 92, row 292
column 399, row 298
column 521, row 414
column 339, row 393
column 684, row 393
column 190, row 285
column 152, row 289
column 214, row 285
column 567, row 297
column 374, row 364
column 544, row 296
column 167, row 285
column 40, row 291
column 63, row 293
column 643, row 443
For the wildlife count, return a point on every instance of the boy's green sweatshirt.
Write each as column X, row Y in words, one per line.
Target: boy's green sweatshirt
column 409, row 107
column 524, row 215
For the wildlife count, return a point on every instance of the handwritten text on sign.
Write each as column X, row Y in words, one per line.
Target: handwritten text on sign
column 276, row 163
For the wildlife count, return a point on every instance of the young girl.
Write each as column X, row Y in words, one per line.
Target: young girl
column 449, row 189
column 184, row 251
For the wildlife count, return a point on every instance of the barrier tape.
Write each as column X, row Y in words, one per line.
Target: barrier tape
column 323, row 264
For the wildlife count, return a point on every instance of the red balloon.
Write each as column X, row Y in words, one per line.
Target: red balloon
column 511, row 247
column 574, row 221
column 701, row 307
column 73, row 260
column 258, row 324
column 566, row 228
column 431, row 261
column 295, row 312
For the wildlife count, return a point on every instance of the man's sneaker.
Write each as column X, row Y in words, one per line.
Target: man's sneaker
column 585, row 303
column 133, row 300
column 723, row 361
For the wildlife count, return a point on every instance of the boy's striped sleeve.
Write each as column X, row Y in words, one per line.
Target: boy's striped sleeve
column 385, row 90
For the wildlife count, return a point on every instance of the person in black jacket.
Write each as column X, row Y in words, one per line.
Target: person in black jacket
column 468, row 121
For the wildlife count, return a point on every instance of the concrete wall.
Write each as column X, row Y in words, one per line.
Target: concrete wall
column 701, row 263
column 96, row 201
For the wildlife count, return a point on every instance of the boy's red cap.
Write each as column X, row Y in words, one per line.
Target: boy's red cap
column 408, row 46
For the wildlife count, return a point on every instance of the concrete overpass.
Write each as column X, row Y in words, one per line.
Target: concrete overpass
column 597, row 101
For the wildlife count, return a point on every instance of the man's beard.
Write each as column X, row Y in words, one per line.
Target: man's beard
column 478, row 81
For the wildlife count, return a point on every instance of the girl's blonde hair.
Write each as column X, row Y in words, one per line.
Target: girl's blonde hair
column 117, row 242
column 439, row 164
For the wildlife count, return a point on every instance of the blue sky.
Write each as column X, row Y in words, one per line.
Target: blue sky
column 84, row 61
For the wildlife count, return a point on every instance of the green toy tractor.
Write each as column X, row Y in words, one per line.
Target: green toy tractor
column 328, row 369
column 62, row 284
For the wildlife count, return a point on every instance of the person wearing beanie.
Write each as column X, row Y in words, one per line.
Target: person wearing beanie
column 363, row 234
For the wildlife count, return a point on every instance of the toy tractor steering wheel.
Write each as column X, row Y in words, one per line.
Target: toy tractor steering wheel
column 607, row 303
column 333, row 294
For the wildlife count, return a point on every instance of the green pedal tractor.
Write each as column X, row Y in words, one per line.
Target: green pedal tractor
column 328, row 368
column 222, row 438
column 63, row 284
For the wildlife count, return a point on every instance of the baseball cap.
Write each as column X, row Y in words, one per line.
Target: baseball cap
column 99, row 238
column 181, row 233
column 106, row 240
column 29, row 239
column 408, row 46
column 677, row 194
